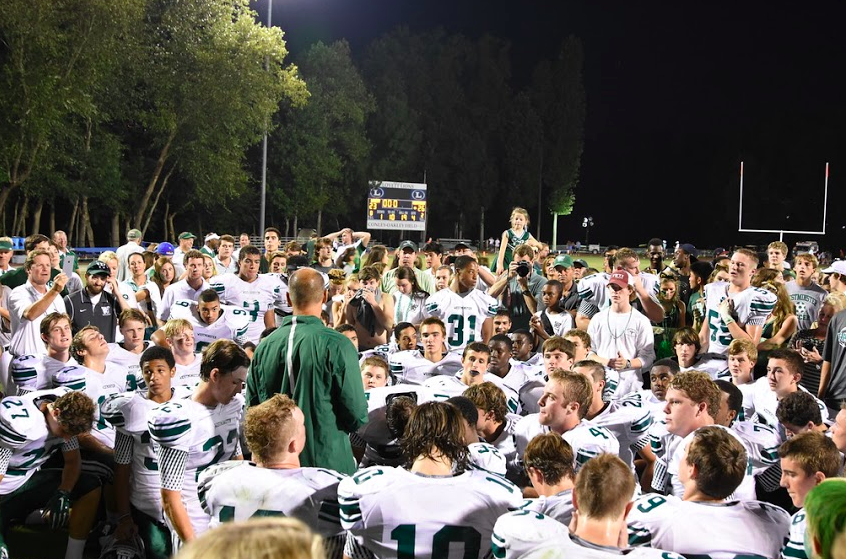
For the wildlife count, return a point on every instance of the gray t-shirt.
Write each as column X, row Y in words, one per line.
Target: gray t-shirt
column 808, row 302
column 835, row 353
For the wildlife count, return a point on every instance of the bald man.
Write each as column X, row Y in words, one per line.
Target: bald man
column 318, row 368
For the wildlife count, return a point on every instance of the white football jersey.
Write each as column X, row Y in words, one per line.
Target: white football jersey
column 760, row 404
column 760, row 455
column 561, row 323
column 488, row 458
column 717, row 368
column 452, row 386
column 753, row 305
column 127, row 413
column 410, row 367
column 189, row 438
column 31, row 372
column 232, row 324
column 396, row 513
column 592, row 289
column 98, row 387
column 238, row 490
column 463, row 315
column 795, row 546
column 529, row 534
column 188, row 375
column 586, row 440
column 717, row 530
column 629, row 421
column 23, row 430
column 128, row 360
column 257, row 298
column 558, row 507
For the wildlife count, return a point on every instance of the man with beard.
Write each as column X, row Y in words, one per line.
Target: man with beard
column 94, row 305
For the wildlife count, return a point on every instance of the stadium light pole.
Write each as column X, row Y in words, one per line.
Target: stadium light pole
column 587, row 223
column 264, row 145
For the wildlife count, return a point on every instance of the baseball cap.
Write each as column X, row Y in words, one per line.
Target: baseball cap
column 689, row 249
column 563, row 260
column 186, row 235
column 837, row 267
column 5, row 245
column 211, row 237
column 620, row 278
column 461, row 246
column 164, row 249
column 580, row 263
column 407, row 245
column 98, row 267
column 133, row 234
column 720, row 251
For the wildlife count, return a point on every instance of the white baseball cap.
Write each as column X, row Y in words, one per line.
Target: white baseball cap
column 212, row 237
column 837, row 267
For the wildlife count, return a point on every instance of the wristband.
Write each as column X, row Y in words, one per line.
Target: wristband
column 526, row 292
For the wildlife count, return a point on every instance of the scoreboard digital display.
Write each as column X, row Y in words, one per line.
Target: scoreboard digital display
column 396, row 205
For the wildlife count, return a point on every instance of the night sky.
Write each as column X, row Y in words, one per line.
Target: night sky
column 677, row 95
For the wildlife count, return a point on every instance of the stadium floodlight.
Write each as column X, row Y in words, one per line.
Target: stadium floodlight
column 587, row 223
column 781, row 232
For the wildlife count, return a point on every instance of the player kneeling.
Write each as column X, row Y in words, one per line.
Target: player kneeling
column 436, row 508
column 32, row 427
column 712, row 467
column 602, row 498
column 275, row 484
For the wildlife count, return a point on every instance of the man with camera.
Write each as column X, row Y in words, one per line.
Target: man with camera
column 371, row 311
column 519, row 289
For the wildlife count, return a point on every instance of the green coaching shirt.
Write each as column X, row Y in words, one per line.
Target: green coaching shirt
column 318, row 368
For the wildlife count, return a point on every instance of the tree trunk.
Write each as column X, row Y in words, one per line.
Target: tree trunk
column 294, row 232
column 115, row 236
column 87, row 231
column 20, row 225
column 18, row 175
column 151, row 186
column 164, row 221
column 72, row 238
column 156, row 202
column 287, row 225
column 36, row 216
column 170, row 226
column 53, row 216
column 319, row 222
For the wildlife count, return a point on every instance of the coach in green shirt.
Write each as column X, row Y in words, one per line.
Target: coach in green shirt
column 318, row 368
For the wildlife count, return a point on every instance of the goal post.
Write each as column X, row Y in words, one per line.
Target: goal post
column 781, row 232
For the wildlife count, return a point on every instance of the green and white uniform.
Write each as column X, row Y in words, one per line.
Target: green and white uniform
column 32, row 372
column 586, row 440
column 25, row 441
column 723, row 530
column 753, row 305
column 189, row 438
column 410, row 367
column 629, row 421
column 463, row 315
column 257, row 298
column 232, row 324
column 239, row 490
column 529, row 534
column 393, row 513
column 128, row 360
column 99, row 387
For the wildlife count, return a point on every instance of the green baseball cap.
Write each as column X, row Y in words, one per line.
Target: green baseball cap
column 563, row 260
column 187, row 235
column 5, row 245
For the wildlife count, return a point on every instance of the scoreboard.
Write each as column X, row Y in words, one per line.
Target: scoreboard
column 397, row 205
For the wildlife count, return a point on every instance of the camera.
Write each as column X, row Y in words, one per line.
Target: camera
column 523, row 268
column 808, row 344
column 358, row 298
